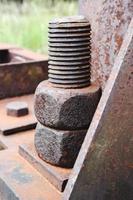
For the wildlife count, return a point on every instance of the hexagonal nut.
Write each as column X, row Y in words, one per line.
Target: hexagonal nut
column 17, row 108
column 58, row 147
column 65, row 109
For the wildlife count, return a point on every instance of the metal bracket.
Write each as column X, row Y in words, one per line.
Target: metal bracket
column 103, row 169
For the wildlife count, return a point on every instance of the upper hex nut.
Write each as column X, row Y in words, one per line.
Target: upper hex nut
column 69, row 109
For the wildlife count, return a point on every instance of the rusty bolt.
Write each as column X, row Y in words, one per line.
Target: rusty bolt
column 69, row 52
column 65, row 104
column 17, row 109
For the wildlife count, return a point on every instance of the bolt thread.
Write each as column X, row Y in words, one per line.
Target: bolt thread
column 69, row 52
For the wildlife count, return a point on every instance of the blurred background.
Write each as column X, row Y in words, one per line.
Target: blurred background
column 25, row 22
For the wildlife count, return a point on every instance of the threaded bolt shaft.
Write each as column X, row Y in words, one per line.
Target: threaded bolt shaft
column 69, row 52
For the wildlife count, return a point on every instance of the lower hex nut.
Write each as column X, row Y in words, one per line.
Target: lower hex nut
column 17, row 109
column 58, row 147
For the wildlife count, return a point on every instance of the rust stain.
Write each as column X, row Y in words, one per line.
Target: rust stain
column 118, row 40
column 21, row 177
column 130, row 166
column 22, row 73
column 109, row 21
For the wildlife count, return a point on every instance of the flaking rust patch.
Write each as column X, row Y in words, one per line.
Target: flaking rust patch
column 20, row 176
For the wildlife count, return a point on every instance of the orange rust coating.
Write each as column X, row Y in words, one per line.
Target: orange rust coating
column 56, row 175
column 8, row 123
column 109, row 22
column 23, row 180
column 23, row 52
column 18, row 175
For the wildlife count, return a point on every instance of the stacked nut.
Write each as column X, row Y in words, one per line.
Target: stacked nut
column 65, row 104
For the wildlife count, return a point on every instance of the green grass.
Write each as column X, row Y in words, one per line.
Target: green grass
column 27, row 25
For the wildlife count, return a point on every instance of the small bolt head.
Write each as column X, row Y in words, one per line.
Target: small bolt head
column 17, row 108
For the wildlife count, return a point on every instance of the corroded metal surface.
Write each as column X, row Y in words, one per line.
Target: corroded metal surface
column 20, row 181
column 57, row 176
column 12, row 142
column 109, row 22
column 69, row 109
column 65, row 115
column 104, row 167
column 64, row 143
column 9, row 124
column 20, row 71
column 66, row 36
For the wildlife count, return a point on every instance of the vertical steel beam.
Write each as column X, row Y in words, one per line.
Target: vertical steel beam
column 104, row 167
column 109, row 21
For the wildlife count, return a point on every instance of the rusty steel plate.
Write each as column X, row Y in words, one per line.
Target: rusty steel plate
column 19, row 180
column 56, row 175
column 20, row 71
column 11, row 124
